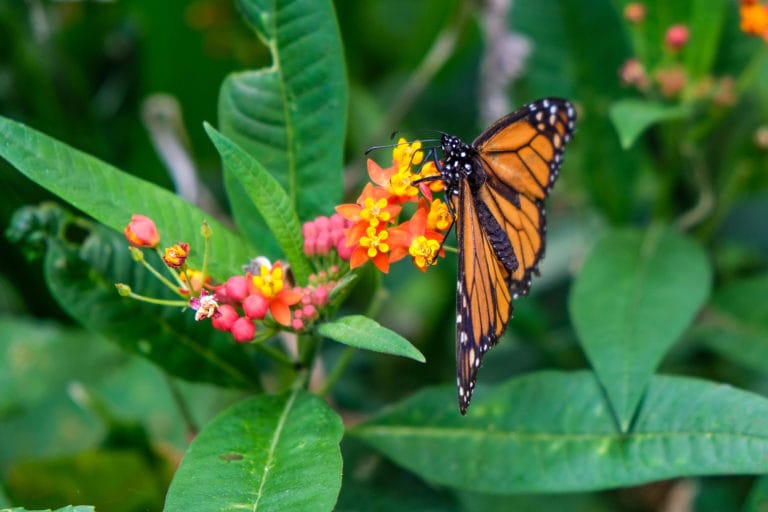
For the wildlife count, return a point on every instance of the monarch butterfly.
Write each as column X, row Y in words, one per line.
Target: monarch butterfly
column 496, row 188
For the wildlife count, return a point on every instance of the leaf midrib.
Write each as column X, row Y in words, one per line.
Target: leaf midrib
column 273, row 445
column 289, row 128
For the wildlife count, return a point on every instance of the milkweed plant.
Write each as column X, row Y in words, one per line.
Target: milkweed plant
column 667, row 268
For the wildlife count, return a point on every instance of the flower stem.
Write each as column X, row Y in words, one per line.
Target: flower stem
column 338, row 370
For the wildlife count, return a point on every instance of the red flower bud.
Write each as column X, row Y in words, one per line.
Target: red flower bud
column 142, row 232
column 255, row 306
column 243, row 330
column 225, row 319
column 677, row 36
column 236, row 288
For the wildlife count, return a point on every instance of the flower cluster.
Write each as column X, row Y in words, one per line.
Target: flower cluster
column 669, row 79
column 268, row 297
column 264, row 298
column 754, row 18
column 375, row 233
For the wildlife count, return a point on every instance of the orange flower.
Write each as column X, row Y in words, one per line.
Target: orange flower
column 374, row 246
column 142, row 232
column 271, row 284
column 176, row 255
column 754, row 18
column 414, row 238
column 372, row 206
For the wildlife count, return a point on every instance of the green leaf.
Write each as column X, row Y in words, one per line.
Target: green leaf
column 111, row 196
column 553, row 432
column 266, row 453
column 757, row 500
column 735, row 322
column 362, row 332
column 707, row 19
column 631, row 117
column 290, row 116
column 82, row 279
column 633, row 298
column 68, row 508
column 126, row 476
column 269, row 198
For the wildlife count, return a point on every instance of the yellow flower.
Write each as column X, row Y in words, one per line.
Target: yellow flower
column 375, row 242
column 401, row 183
column 374, row 211
column 404, row 155
column 269, row 281
column 424, row 251
column 439, row 216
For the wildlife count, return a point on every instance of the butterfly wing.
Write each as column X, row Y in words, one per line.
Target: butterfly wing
column 483, row 300
column 500, row 226
column 521, row 155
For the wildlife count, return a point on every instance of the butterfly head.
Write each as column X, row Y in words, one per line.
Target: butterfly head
column 457, row 161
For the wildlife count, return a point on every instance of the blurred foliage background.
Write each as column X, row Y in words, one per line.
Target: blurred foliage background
column 78, row 414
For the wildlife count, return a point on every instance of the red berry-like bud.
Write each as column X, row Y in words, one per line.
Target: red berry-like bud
column 236, row 288
column 225, row 319
column 243, row 330
column 255, row 306
column 142, row 232
column 677, row 36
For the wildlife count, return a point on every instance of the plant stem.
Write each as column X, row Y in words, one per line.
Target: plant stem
column 337, row 371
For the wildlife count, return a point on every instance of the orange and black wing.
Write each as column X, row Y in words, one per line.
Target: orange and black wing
column 500, row 226
column 522, row 154
column 483, row 299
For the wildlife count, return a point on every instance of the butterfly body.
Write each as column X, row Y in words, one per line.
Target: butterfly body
column 495, row 188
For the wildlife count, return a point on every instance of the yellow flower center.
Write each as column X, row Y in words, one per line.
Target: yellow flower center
column 269, row 281
column 375, row 242
column 424, row 251
column 373, row 211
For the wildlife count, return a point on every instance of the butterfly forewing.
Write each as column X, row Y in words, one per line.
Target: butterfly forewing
column 482, row 306
column 524, row 149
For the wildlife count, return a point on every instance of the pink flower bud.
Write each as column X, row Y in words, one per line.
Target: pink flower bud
column 225, row 319
column 309, row 229
column 323, row 243
column 297, row 324
column 322, row 224
column 142, row 232
column 634, row 12
column 320, row 296
column 243, row 330
column 677, row 36
column 236, row 288
column 344, row 250
column 309, row 311
column 255, row 306
column 337, row 222
column 310, row 248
